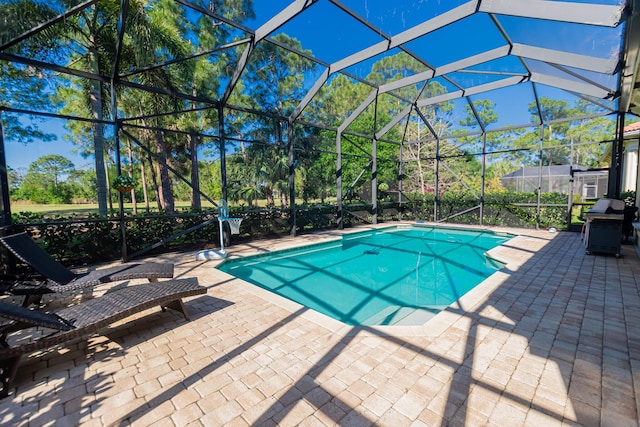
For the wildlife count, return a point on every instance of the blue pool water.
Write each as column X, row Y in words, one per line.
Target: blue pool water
column 400, row 275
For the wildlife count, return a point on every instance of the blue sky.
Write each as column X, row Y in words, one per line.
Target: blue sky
column 20, row 156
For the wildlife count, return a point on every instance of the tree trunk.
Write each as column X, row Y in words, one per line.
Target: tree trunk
column 166, row 194
column 154, row 182
column 420, row 171
column 154, row 178
column 194, row 143
column 133, row 191
column 98, row 132
column 269, row 194
column 108, row 185
column 243, row 149
column 145, row 191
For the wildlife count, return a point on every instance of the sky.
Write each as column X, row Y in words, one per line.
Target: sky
column 19, row 156
column 331, row 35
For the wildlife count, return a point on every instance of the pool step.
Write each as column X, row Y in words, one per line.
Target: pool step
column 396, row 315
column 415, row 317
column 383, row 317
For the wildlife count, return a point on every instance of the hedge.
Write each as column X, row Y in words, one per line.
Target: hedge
column 92, row 239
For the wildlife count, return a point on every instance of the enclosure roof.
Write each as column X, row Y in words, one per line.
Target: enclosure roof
column 512, row 52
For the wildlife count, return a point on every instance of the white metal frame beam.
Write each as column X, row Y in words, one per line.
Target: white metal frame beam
column 470, row 61
column 267, row 28
column 571, row 85
column 579, row 13
column 510, row 81
column 372, row 96
column 282, row 18
column 583, row 62
column 404, row 113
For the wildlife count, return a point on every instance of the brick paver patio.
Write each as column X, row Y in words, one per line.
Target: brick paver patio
column 552, row 339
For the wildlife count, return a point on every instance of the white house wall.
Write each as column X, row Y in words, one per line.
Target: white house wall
column 630, row 167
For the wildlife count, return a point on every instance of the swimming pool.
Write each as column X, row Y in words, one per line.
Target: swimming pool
column 400, row 275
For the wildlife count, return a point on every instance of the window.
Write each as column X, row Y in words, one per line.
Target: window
column 590, row 190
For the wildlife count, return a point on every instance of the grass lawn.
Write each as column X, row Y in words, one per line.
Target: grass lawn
column 81, row 209
column 53, row 210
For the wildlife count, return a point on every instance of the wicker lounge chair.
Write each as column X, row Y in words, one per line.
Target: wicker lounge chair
column 59, row 278
column 88, row 317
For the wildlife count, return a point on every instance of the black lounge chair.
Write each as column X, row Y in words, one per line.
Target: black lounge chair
column 59, row 278
column 83, row 319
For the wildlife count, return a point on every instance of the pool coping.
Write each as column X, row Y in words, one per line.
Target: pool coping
column 432, row 327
